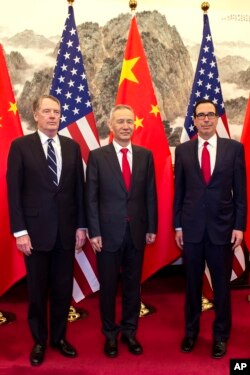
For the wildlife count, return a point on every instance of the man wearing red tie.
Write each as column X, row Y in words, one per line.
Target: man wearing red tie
column 122, row 218
column 209, row 219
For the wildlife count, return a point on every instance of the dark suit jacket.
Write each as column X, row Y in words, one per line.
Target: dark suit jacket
column 218, row 207
column 109, row 204
column 35, row 203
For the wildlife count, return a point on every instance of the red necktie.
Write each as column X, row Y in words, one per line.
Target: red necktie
column 205, row 163
column 126, row 172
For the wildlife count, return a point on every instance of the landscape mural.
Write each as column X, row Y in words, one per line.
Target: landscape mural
column 171, row 32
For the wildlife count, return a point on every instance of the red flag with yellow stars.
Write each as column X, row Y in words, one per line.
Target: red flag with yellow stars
column 136, row 89
column 245, row 139
column 12, row 266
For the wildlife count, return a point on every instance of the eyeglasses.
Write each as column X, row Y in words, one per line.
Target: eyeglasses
column 209, row 115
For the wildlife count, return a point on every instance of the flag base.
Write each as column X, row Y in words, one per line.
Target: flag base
column 6, row 317
column 146, row 310
column 206, row 304
column 76, row 313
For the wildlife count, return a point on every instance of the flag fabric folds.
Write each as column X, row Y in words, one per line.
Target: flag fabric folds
column 12, row 266
column 70, row 86
column 136, row 89
column 245, row 139
column 206, row 85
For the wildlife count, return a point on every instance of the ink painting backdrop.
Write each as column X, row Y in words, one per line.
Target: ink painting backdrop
column 171, row 31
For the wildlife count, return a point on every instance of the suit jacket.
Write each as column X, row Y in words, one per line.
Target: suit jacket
column 35, row 203
column 218, row 207
column 109, row 204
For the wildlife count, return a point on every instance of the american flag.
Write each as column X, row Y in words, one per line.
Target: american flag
column 207, row 86
column 70, row 86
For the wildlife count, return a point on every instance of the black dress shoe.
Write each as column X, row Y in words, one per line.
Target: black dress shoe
column 37, row 354
column 219, row 349
column 110, row 348
column 65, row 348
column 133, row 344
column 188, row 344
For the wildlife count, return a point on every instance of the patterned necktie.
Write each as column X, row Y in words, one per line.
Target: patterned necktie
column 51, row 159
column 205, row 163
column 126, row 172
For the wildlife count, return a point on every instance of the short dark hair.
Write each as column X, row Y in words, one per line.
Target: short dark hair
column 203, row 101
column 37, row 101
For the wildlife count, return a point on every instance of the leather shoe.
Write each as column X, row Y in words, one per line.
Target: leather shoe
column 65, row 348
column 110, row 348
column 188, row 344
column 133, row 344
column 219, row 349
column 37, row 354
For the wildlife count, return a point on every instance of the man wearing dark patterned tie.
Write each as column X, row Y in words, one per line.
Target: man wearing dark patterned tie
column 209, row 219
column 45, row 191
column 122, row 217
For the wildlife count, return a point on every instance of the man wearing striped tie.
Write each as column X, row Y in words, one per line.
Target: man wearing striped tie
column 45, row 191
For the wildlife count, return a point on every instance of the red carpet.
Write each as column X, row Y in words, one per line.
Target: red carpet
column 159, row 333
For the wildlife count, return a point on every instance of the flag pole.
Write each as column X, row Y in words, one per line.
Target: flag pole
column 205, row 303
column 75, row 313
column 248, row 296
column 144, row 309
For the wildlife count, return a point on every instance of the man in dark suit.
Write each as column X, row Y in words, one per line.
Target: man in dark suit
column 121, row 219
column 209, row 219
column 46, row 203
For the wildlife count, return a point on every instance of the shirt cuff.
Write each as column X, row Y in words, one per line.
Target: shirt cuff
column 20, row 233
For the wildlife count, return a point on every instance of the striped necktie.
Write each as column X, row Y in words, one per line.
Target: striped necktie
column 51, row 159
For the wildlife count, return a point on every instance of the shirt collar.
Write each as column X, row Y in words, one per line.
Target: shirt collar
column 119, row 147
column 212, row 141
column 44, row 138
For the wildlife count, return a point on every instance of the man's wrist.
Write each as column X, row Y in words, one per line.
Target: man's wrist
column 20, row 233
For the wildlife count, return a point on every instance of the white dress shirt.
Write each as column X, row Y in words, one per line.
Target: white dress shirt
column 119, row 153
column 212, row 148
column 57, row 147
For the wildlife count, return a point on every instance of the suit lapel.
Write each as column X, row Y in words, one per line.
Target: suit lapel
column 40, row 158
column 135, row 166
column 64, row 160
column 220, row 154
column 195, row 157
column 110, row 155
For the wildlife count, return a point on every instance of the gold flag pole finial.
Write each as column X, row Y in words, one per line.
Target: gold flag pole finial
column 205, row 6
column 132, row 5
column 70, row 2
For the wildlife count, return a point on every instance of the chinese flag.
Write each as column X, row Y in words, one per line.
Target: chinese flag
column 245, row 139
column 12, row 266
column 136, row 89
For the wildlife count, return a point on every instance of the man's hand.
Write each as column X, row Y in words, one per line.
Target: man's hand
column 96, row 243
column 237, row 237
column 150, row 238
column 24, row 244
column 80, row 239
column 179, row 238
